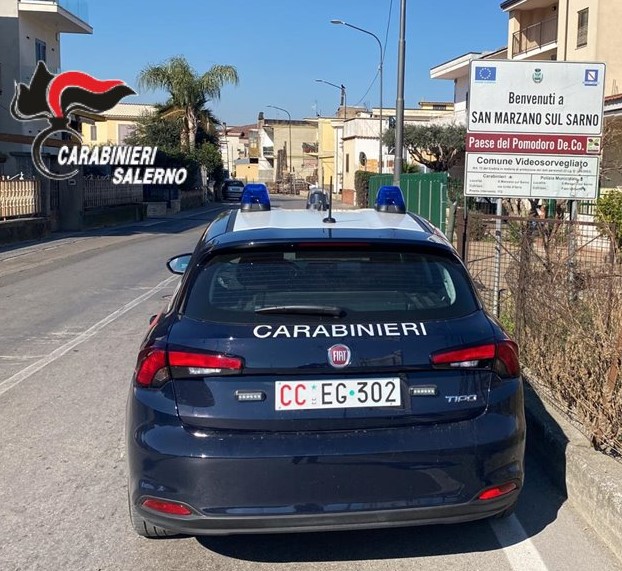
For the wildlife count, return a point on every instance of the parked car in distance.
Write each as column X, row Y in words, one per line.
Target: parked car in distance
column 317, row 199
column 232, row 190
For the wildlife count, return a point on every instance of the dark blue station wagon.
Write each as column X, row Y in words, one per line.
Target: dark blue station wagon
column 310, row 376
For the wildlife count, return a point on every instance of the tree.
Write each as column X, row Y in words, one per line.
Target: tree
column 611, row 164
column 609, row 214
column 188, row 93
column 152, row 131
column 438, row 147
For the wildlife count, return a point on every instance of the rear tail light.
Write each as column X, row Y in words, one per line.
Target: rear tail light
column 185, row 364
column 502, row 355
column 156, row 366
column 151, row 369
column 166, row 507
column 497, row 491
column 507, row 363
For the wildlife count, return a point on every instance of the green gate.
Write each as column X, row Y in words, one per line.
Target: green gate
column 425, row 194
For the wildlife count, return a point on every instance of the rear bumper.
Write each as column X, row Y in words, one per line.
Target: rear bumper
column 230, row 524
column 291, row 482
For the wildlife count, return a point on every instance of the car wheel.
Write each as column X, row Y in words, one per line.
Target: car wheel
column 145, row 529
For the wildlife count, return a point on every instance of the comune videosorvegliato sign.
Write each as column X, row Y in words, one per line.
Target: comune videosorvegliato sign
column 534, row 129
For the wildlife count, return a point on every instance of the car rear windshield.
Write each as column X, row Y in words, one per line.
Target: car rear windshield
column 348, row 283
column 235, row 183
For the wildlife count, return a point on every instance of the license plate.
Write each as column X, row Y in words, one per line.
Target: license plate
column 351, row 393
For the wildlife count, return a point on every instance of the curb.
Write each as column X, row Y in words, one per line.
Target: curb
column 591, row 480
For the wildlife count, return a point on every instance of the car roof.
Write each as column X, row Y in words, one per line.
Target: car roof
column 237, row 228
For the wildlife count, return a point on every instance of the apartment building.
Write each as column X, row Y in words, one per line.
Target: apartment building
column 568, row 30
column 113, row 126
column 30, row 31
column 360, row 140
column 549, row 30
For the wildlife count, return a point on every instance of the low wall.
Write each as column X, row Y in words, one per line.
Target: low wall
column 191, row 199
column 113, row 215
column 22, row 229
column 348, row 196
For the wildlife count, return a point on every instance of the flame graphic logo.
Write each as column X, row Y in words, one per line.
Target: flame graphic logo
column 54, row 97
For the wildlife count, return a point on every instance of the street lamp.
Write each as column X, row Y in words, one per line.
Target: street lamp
column 380, row 66
column 342, row 88
column 227, row 145
column 290, row 138
column 344, row 106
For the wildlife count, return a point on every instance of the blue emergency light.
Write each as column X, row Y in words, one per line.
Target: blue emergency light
column 390, row 199
column 255, row 197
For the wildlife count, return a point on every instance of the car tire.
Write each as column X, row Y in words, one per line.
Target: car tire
column 145, row 529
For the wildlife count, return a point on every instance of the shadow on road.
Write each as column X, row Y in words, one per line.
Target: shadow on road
column 538, row 507
column 390, row 543
column 543, row 495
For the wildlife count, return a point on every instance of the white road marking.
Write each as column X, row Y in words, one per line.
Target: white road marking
column 24, row 374
column 518, row 548
column 20, row 357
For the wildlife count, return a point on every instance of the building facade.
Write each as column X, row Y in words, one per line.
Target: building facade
column 113, row 126
column 30, row 31
column 568, row 30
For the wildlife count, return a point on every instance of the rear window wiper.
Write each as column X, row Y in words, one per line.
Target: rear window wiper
column 303, row 310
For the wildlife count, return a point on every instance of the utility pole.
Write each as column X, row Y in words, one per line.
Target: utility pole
column 399, row 105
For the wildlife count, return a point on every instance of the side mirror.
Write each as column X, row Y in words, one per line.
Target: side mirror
column 178, row 264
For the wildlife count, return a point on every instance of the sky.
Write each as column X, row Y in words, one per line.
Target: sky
column 280, row 47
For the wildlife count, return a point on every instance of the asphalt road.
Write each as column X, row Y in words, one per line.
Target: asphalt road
column 74, row 311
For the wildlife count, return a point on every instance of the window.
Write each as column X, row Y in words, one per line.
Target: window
column 93, row 132
column 347, row 162
column 583, row 20
column 40, row 51
column 367, row 283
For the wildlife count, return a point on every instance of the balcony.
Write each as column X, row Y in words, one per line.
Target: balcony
column 69, row 16
column 535, row 38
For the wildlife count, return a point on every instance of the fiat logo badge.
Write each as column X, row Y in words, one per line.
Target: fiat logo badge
column 339, row 356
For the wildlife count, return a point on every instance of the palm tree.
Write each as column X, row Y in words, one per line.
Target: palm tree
column 188, row 91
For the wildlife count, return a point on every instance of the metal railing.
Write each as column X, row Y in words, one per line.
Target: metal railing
column 79, row 8
column 19, row 198
column 534, row 36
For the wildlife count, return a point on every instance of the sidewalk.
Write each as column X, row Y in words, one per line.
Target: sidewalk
column 57, row 239
column 590, row 480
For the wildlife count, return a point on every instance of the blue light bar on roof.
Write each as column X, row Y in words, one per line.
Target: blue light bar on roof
column 255, row 197
column 390, row 199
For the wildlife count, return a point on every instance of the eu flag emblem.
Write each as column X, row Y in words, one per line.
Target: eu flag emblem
column 485, row 74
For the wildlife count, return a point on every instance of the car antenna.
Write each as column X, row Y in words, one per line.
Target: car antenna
column 329, row 219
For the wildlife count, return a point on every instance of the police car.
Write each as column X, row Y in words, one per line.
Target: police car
column 312, row 374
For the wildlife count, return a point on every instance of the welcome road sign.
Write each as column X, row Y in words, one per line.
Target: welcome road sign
column 526, row 122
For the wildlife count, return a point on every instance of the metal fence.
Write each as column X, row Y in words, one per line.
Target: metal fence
column 556, row 286
column 425, row 194
column 54, row 195
column 98, row 193
column 19, row 198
